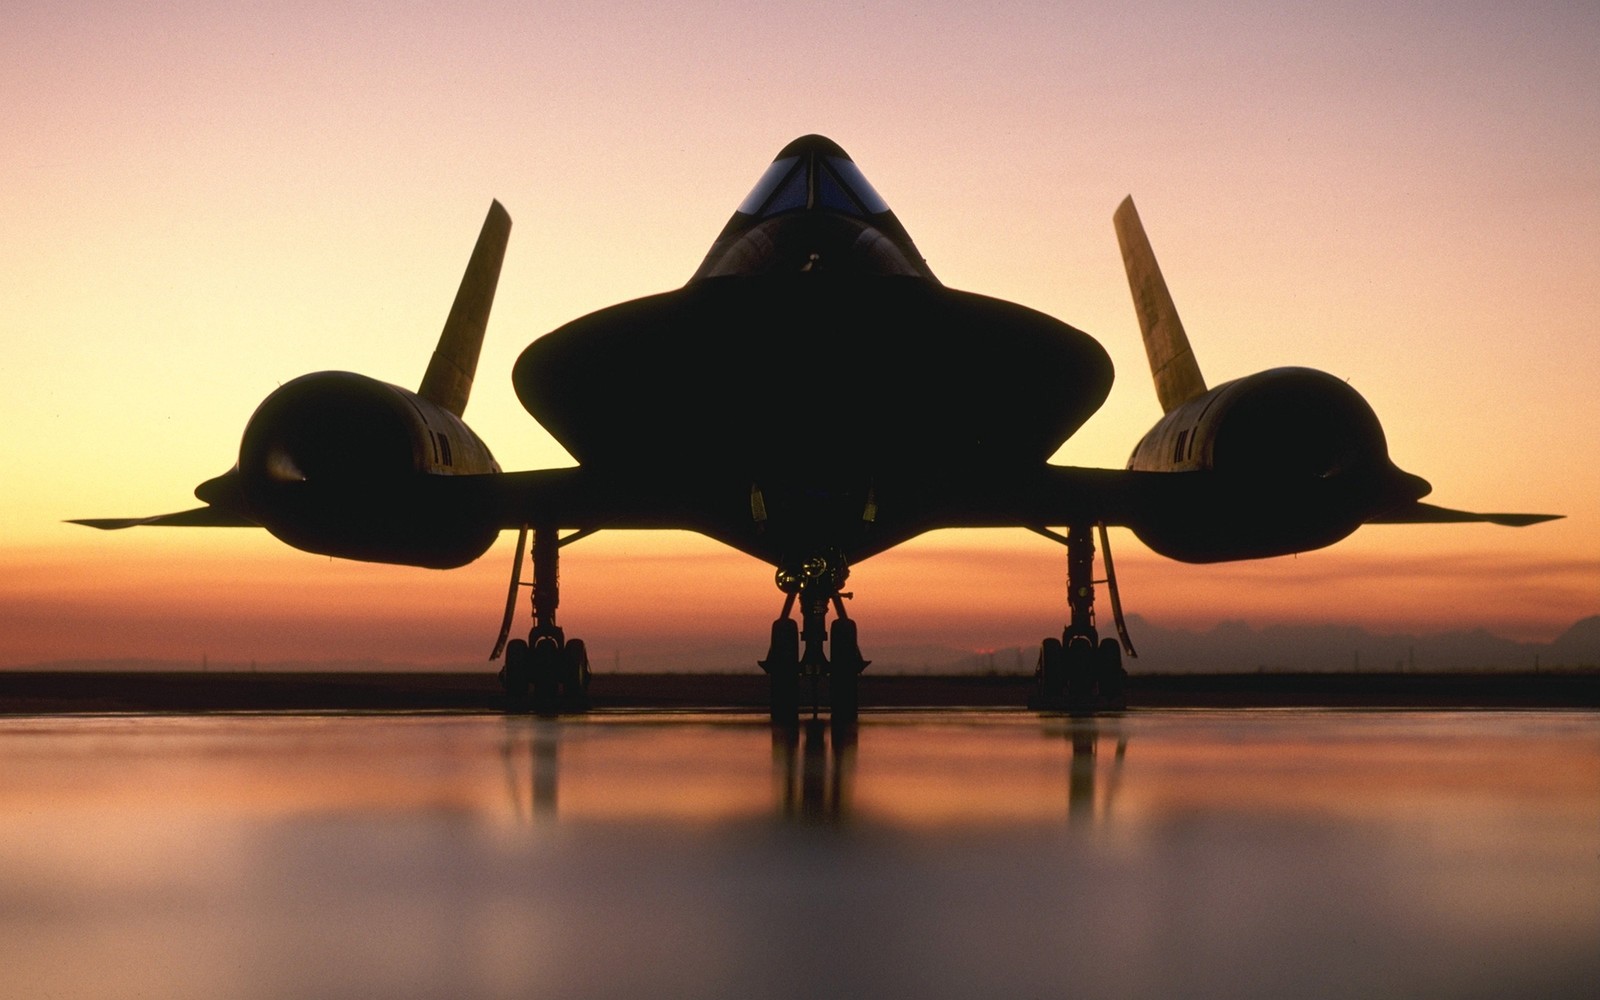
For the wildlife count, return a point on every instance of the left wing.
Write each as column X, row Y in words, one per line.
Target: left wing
column 562, row 498
column 200, row 517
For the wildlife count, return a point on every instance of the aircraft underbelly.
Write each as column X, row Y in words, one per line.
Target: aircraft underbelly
column 813, row 377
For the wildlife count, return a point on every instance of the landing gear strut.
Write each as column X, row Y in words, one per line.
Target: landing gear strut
column 547, row 670
column 796, row 651
column 1081, row 672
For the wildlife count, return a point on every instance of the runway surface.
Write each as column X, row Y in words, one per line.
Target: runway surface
column 40, row 692
column 630, row 853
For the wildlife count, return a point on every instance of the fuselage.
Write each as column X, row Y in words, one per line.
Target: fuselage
column 812, row 373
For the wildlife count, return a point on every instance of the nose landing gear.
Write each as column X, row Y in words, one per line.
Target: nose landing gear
column 796, row 652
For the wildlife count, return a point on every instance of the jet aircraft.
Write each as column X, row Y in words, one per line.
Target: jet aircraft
column 813, row 396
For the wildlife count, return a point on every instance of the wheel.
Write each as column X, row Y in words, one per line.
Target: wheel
column 1080, row 657
column 842, row 646
column 1110, row 678
column 516, row 673
column 783, row 668
column 784, row 649
column 575, row 670
column 844, row 672
column 1050, row 675
column 785, row 705
column 545, row 671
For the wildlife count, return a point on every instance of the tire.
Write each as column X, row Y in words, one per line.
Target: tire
column 575, row 669
column 844, row 673
column 1111, row 678
column 545, row 671
column 783, row 669
column 784, row 649
column 1080, row 661
column 785, row 704
column 1051, row 674
column 516, row 674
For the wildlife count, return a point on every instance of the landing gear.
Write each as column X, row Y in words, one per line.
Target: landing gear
column 548, row 672
column 796, row 652
column 1081, row 672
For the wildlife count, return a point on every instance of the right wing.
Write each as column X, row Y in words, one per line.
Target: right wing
column 1201, row 516
column 1427, row 513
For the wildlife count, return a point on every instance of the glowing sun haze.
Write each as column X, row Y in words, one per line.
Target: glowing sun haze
column 202, row 201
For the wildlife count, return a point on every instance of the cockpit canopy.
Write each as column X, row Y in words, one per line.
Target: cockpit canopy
column 824, row 181
column 813, row 211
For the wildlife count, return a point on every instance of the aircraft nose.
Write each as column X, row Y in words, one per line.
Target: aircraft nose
column 811, row 210
column 809, row 144
column 813, row 173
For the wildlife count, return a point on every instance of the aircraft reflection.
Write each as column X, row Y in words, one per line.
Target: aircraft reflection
column 812, row 778
column 814, row 766
column 539, row 742
column 813, row 769
column 1083, row 771
column 929, row 854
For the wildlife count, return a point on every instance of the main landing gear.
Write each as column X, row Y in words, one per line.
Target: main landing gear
column 815, row 584
column 1081, row 672
column 548, row 672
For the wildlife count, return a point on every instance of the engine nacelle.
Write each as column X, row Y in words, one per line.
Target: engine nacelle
column 1301, row 458
column 1286, row 422
column 344, row 465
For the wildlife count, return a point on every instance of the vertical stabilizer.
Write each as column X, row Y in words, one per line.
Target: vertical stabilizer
column 1172, row 363
column 448, row 381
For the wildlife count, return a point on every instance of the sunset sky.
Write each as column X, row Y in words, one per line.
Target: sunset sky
column 201, row 201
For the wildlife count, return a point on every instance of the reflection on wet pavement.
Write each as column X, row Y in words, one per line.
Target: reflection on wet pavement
column 920, row 854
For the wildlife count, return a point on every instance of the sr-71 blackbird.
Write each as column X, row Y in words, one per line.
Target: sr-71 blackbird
column 811, row 397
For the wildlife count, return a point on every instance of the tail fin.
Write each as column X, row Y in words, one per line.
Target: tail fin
column 448, row 381
column 1172, row 364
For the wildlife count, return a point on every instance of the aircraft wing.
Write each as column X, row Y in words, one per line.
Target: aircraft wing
column 1137, row 499
column 565, row 498
column 1203, row 516
column 1251, row 512
column 1060, row 495
column 200, row 517
column 573, row 498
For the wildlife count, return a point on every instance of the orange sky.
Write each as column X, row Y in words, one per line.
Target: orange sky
column 202, row 203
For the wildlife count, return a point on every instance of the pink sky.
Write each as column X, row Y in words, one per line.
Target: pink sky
column 201, row 203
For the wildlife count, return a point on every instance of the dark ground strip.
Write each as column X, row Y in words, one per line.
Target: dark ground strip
column 43, row 693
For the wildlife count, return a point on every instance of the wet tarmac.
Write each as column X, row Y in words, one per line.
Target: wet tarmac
column 995, row 853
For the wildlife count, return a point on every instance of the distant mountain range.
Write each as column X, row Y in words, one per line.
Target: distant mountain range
column 1230, row 647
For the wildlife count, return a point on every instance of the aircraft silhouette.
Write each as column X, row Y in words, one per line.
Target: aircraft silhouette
column 813, row 396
